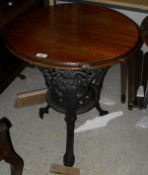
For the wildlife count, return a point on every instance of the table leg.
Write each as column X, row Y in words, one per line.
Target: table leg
column 44, row 110
column 48, row 79
column 71, row 86
column 100, row 75
column 70, row 103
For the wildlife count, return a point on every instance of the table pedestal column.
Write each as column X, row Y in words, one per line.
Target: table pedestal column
column 73, row 92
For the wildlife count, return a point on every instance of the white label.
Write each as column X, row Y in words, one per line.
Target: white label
column 41, row 55
column 140, row 91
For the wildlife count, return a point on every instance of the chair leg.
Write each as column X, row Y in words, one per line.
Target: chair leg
column 145, row 80
column 132, row 81
column 124, row 71
column 7, row 152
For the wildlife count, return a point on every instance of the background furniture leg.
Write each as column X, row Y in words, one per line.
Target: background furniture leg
column 124, row 70
column 7, row 151
column 131, row 82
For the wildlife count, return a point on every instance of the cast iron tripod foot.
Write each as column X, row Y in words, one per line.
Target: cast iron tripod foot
column 69, row 160
column 43, row 111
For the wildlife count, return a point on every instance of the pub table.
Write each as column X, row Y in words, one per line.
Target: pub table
column 73, row 45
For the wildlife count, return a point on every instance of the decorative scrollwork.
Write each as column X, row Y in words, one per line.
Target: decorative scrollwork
column 87, row 85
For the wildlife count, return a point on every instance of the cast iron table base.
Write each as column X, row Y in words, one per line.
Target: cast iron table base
column 73, row 92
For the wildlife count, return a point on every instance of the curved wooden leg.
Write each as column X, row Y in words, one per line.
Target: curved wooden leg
column 16, row 164
column 7, row 152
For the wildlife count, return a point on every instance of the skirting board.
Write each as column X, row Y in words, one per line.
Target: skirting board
column 61, row 169
column 31, row 98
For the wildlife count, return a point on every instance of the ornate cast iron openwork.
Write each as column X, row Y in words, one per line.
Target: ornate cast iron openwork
column 73, row 92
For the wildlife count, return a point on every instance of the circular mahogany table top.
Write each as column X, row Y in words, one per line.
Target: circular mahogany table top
column 73, row 36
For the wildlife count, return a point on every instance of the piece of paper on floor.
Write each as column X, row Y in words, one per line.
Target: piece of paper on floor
column 106, row 101
column 98, row 122
column 143, row 123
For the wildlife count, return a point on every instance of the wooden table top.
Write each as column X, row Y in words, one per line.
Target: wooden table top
column 73, row 36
